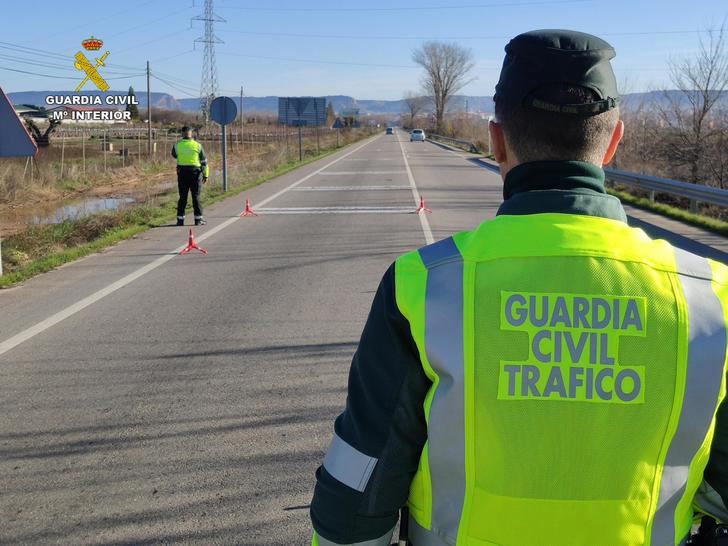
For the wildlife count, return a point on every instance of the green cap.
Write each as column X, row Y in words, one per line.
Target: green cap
column 543, row 57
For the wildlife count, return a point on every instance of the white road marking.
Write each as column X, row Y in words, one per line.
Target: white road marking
column 72, row 309
column 350, row 188
column 372, row 159
column 429, row 239
column 360, row 173
column 337, row 210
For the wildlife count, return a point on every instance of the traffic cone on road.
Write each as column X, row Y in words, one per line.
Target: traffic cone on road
column 248, row 209
column 422, row 207
column 192, row 245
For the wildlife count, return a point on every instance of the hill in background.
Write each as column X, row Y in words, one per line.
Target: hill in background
column 269, row 104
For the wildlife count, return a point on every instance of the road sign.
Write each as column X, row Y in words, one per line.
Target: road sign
column 15, row 141
column 294, row 110
column 223, row 110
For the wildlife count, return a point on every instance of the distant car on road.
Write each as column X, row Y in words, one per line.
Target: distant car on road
column 417, row 135
column 390, row 130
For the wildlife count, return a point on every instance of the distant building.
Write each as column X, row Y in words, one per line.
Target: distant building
column 31, row 112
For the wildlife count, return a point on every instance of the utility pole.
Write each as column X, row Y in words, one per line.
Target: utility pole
column 149, row 113
column 242, row 120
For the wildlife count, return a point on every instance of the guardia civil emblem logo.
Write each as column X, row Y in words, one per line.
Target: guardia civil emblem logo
column 82, row 63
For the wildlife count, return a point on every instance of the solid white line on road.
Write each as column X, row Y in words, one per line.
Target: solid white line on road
column 429, row 239
column 337, row 210
column 350, row 188
column 373, row 159
column 71, row 310
column 360, row 173
column 448, row 149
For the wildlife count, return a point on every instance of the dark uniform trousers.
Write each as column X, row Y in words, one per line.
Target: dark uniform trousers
column 189, row 180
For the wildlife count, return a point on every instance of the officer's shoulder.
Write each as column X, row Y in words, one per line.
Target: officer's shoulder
column 666, row 256
column 720, row 272
column 440, row 251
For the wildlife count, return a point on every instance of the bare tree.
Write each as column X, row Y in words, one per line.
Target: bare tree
column 689, row 113
column 718, row 159
column 447, row 70
column 414, row 103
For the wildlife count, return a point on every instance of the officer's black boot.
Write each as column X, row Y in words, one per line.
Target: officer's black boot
column 200, row 221
column 180, row 221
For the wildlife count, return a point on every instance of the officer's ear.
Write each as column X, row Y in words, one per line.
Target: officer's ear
column 617, row 135
column 498, row 142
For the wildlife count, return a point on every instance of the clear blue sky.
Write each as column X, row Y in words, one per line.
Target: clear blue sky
column 363, row 49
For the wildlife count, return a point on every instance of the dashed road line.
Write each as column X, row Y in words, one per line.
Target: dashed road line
column 72, row 309
column 351, row 188
column 426, row 230
column 359, row 173
column 337, row 210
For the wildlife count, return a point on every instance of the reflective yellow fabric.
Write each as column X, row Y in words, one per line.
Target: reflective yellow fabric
column 188, row 152
column 576, row 339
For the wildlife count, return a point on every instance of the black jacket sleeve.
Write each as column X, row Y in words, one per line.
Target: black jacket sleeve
column 174, row 150
column 716, row 473
column 384, row 418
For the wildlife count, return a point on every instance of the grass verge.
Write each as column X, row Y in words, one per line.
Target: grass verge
column 697, row 220
column 42, row 248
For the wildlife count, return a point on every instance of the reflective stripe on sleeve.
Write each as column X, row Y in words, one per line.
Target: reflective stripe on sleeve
column 381, row 541
column 349, row 465
column 419, row 536
column 709, row 501
column 704, row 377
column 445, row 353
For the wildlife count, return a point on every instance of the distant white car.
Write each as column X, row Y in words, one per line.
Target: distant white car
column 417, row 135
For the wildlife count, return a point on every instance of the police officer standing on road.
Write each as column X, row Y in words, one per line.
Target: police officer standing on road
column 192, row 172
column 551, row 378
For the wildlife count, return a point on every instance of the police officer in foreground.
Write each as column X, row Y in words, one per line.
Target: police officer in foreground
column 551, row 378
column 192, row 172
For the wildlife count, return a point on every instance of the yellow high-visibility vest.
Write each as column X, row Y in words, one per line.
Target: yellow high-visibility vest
column 576, row 368
column 188, row 154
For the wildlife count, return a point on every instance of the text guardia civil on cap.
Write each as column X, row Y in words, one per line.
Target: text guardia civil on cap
column 543, row 57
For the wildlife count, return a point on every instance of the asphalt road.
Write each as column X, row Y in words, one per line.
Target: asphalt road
column 152, row 398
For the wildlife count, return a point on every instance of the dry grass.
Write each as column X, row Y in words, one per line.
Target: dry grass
column 40, row 248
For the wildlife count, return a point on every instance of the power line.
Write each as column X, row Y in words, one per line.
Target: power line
column 173, row 86
column 406, row 38
column 153, row 41
column 36, row 74
column 63, row 77
column 148, row 23
column 172, row 56
column 176, row 81
column 34, row 62
column 32, row 50
column 411, row 8
column 64, row 68
column 96, row 20
column 347, row 63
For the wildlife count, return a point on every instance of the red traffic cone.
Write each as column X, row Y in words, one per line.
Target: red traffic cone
column 422, row 207
column 248, row 209
column 192, row 245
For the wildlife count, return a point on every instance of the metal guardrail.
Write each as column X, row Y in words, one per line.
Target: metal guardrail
column 696, row 193
column 471, row 147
